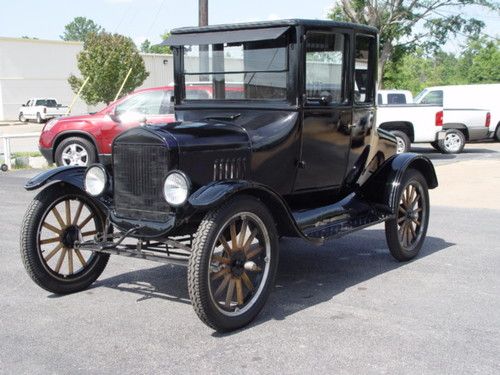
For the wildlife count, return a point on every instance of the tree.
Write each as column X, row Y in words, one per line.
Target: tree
column 405, row 25
column 79, row 29
column 146, row 46
column 481, row 61
column 106, row 59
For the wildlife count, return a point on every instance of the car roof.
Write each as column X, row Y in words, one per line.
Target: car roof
column 277, row 23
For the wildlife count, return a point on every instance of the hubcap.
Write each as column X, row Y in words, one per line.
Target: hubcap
column 64, row 223
column 239, row 264
column 401, row 145
column 410, row 215
column 452, row 142
column 74, row 154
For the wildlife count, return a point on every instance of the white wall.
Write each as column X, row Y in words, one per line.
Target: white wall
column 40, row 68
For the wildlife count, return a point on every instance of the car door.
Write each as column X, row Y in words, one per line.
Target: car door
column 363, row 109
column 326, row 112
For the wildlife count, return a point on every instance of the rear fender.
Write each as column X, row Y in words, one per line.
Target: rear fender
column 383, row 186
column 216, row 193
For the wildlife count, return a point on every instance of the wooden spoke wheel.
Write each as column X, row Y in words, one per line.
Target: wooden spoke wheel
column 233, row 264
column 406, row 232
column 55, row 220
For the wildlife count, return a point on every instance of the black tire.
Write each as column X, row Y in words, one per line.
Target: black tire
column 435, row 146
column 37, row 261
column 497, row 133
column 61, row 158
column 453, row 142
column 403, row 140
column 38, row 118
column 201, row 273
column 22, row 118
column 4, row 167
column 400, row 245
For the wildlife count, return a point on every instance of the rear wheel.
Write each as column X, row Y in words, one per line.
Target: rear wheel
column 38, row 118
column 453, row 142
column 435, row 146
column 54, row 221
column 403, row 140
column 405, row 233
column 75, row 151
column 233, row 264
column 497, row 133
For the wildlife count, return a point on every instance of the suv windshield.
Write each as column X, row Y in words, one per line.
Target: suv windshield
column 237, row 71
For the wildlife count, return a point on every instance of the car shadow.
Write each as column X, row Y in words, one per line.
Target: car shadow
column 307, row 274
column 469, row 149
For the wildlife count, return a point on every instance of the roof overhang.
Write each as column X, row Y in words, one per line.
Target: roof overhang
column 229, row 36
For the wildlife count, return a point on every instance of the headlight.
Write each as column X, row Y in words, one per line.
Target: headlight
column 95, row 180
column 176, row 188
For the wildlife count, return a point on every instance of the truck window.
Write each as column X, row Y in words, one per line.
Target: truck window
column 396, row 99
column 379, row 99
column 364, row 75
column 433, row 97
column 325, row 66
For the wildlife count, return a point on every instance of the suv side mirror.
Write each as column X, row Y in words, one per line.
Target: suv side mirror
column 113, row 116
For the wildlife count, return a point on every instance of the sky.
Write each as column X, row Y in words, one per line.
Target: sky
column 147, row 19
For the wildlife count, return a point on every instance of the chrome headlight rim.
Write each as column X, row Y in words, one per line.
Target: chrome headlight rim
column 104, row 182
column 187, row 182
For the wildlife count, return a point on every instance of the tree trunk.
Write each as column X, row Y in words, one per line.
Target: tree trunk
column 385, row 55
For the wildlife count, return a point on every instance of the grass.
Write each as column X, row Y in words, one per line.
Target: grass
column 32, row 154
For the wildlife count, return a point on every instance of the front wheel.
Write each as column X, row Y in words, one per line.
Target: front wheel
column 435, row 146
column 405, row 233
column 22, row 118
column 453, row 142
column 403, row 141
column 75, row 151
column 39, row 119
column 55, row 220
column 497, row 134
column 233, row 263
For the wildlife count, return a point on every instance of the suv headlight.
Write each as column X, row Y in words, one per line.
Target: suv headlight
column 95, row 180
column 176, row 188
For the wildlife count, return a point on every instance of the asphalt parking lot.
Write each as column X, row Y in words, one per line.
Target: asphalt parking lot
column 346, row 307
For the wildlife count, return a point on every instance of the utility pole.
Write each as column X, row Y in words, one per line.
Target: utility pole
column 203, row 21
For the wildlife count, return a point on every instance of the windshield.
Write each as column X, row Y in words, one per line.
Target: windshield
column 419, row 97
column 46, row 102
column 236, row 71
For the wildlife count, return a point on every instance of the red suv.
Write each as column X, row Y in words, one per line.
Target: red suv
column 83, row 140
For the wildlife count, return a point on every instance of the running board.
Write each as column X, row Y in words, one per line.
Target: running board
column 336, row 220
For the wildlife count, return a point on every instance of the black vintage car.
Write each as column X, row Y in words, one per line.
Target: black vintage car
column 284, row 145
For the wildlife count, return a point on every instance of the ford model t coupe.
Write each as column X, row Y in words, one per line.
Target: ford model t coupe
column 285, row 146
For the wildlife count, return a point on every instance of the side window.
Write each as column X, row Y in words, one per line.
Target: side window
column 325, row 67
column 379, row 99
column 396, row 99
column 146, row 103
column 433, row 97
column 364, row 76
column 28, row 103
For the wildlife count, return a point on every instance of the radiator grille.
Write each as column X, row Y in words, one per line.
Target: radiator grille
column 139, row 171
column 229, row 169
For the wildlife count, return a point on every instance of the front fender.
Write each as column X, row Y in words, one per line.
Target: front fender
column 70, row 174
column 383, row 186
column 216, row 193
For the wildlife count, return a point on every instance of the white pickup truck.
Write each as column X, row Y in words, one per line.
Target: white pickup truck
column 446, row 129
column 41, row 110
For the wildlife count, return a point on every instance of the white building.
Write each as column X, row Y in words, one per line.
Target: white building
column 40, row 68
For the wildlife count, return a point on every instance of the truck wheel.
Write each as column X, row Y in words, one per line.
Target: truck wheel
column 233, row 263
column 75, row 151
column 453, row 142
column 435, row 146
column 405, row 233
column 497, row 133
column 38, row 118
column 55, row 219
column 403, row 140
column 22, row 118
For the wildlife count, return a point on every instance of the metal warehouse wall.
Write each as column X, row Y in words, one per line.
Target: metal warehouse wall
column 40, row 68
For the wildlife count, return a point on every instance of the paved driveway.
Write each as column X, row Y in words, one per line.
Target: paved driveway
column 346, row 307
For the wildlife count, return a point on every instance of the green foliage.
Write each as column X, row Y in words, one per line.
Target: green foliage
column 79, row 29
column 478, row 63
column 106, row 59
column 146, row 46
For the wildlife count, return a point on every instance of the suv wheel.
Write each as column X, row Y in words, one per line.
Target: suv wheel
column 233, row 263
column 497, row 133
column 75, row 151
column 403, row 140
column 453, row 142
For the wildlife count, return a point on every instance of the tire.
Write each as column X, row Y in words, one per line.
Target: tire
column 403, row 140
column 497, row 133
column 4, row 167
column 75, row 151
column 38, row 118
column 404, row 244
column 61, row 269
column 244, row 268
column 22, row 118
column 453, row 142
column 435, row 146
